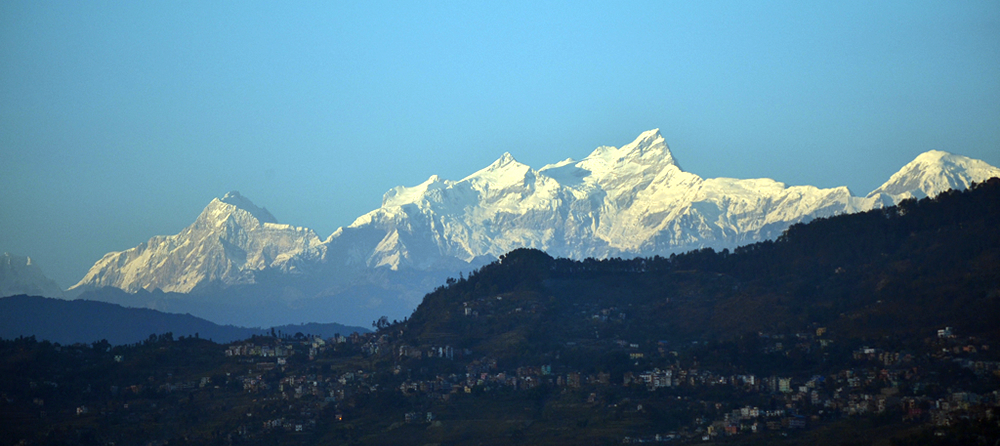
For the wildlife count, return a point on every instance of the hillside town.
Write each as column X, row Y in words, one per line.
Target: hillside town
column 297, row 385
column 904, row 385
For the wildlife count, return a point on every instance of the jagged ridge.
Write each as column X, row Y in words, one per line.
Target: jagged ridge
column 629, row 201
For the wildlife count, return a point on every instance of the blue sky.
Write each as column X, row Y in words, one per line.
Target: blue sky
column 122, row 120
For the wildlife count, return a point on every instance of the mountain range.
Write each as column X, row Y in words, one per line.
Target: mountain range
column 876, row 327
column 236, row 264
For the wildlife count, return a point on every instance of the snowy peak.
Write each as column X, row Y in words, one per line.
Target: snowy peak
column 503, row 172
column 233, row 213
column 648, row 148
column 504, row 163
column 931, row 173
column 20, row 275
column 504, row 160
column 401, row 195
column 229, row 243
column 648, row 155
column 238, row 201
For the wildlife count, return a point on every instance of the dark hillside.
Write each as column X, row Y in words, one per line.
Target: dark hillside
column 901, row 272
column 84, row 321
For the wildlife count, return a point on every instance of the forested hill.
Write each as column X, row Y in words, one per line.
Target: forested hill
column 895, row 273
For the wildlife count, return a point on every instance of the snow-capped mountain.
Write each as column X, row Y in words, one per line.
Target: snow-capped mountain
column 228, row 243
column 616, row 202
column 20, row 275
column 931, row 173
column 628, row 201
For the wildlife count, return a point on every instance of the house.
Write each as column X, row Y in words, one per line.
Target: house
column 627, row 378
column 573, row 380
column 797, row 422
column 785, row 385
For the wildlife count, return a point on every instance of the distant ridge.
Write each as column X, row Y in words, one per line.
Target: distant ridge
column 74, row 321
column 20, row 275
column 242, row 267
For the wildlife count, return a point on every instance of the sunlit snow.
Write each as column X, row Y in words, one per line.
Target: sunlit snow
column 628, row 201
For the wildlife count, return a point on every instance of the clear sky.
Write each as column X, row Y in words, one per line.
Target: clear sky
column 122, row 120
